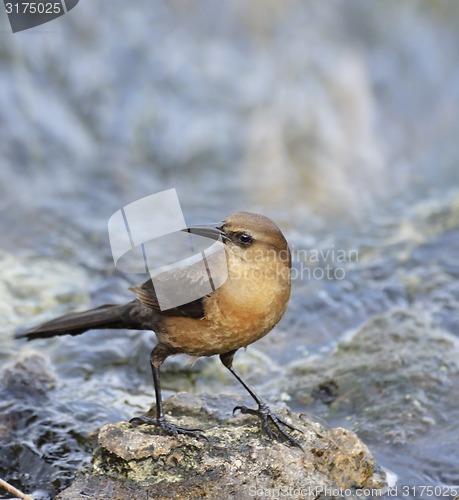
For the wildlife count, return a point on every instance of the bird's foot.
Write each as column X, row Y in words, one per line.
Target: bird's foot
column 268, row 417
column 167, row 427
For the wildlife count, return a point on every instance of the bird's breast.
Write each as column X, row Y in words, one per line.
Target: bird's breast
column 244, row 309
column 235, row 316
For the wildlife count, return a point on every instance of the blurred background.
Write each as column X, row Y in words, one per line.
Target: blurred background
column 338, row 119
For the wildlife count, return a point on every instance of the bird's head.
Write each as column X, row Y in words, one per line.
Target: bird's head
column 255, row 238
column 251, row 241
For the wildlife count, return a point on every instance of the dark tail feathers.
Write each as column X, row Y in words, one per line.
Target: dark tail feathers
column 107, row 316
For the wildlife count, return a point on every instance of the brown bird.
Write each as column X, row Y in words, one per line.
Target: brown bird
column 245, row 308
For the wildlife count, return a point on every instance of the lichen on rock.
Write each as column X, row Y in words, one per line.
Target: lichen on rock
column 234, row 459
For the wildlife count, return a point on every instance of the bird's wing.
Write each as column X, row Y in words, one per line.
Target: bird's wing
column 174, row 285
column 146, row 294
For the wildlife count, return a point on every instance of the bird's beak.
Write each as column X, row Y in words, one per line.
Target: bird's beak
column 213, row 231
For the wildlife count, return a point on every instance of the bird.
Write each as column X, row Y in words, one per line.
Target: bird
column 245, row 308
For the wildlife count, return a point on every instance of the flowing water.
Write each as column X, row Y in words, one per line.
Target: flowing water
column 337, row 119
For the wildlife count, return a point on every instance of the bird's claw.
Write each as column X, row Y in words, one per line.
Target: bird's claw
column 266, row 416
column 168, row 427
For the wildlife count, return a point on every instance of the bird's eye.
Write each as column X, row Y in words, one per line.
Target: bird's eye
column 244, row 238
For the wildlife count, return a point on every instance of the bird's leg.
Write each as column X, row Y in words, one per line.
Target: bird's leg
column 158, row 355
column 263, row 412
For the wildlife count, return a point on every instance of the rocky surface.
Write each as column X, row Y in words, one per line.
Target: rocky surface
column 397, row 377
column 235, row 460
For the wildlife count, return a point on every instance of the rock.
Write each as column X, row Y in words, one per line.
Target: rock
column 398, row 377
column 235, row 460
column 29, row 377
column 23, row 384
